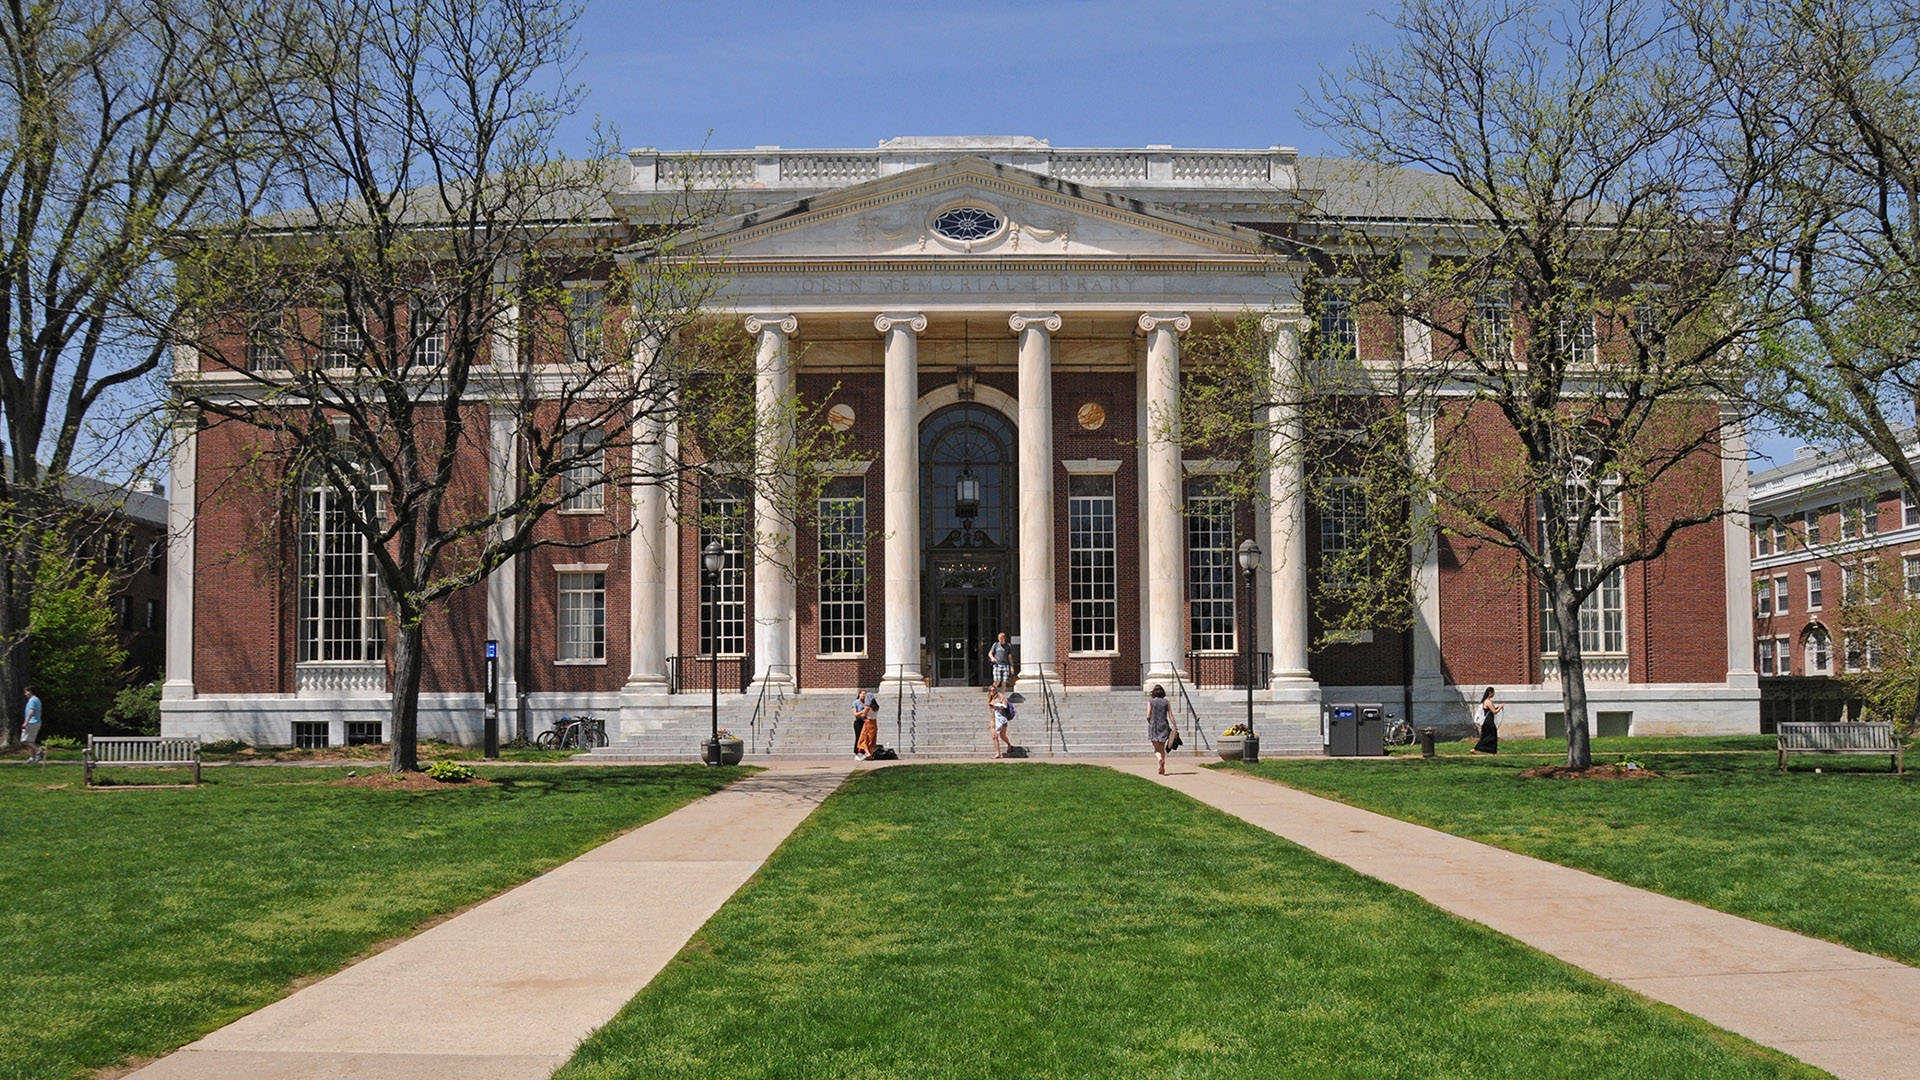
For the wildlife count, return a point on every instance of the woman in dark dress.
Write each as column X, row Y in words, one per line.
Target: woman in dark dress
column 1489, row 731
column 1159, row 726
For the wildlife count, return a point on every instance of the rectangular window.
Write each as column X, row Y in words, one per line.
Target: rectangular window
column 1092, row 581
column 1650, row 324
column 723, row 602
column 1819, row 652
column 584, row 483
column 341, row 342
column 266, row 341
column 1339, row 333
column 310, row 734
column 364, row 733
column 1814, row 597
column 583, row 616
column 1780, row 595
column 1783, row 655
column 843, row 568
column 1211, row 615
column 342, row 608
column 1910, row 574
column 1763, row 541
column 1851, row 586
column 1343, row 513
column 1765, row 646
column 153, row 614
column 1493, row 323
column 1603, row 617
column 1579, row 341
column 1909, row 510
column 1813, row 527
column 1763, row 598
column 429, row 319
column 586, row 324
column 1859, row 518
column 1863, row 653
column 1781, row 537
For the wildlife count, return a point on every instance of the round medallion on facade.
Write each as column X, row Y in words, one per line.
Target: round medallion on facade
column 840, row 417
column 1092, row 417
column 967, row 224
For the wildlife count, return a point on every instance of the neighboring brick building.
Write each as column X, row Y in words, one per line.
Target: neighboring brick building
column 975, row 311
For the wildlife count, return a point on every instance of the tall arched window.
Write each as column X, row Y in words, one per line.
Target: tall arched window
column 341, row 609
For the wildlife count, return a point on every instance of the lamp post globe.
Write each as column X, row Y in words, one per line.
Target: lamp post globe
column 714, row 559
column 1250, row 561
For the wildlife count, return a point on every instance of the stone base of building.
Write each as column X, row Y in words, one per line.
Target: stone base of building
column 1534, row 711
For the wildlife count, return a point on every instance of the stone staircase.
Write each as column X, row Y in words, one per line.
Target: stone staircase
column 949, row 722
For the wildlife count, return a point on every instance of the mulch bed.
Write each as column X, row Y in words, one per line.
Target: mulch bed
column 1596, row 772
column 413, row 781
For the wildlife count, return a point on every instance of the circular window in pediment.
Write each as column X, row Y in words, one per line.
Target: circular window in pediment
column 967, row 224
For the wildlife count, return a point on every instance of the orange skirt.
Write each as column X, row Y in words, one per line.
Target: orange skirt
column 869, row 736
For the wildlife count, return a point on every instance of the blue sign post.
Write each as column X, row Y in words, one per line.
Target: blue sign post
column 490, row 740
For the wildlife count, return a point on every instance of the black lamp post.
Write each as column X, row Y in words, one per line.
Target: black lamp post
column 1250, row 561
column 715, row 558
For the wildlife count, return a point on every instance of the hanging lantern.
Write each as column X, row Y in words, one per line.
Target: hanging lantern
column 966, row 495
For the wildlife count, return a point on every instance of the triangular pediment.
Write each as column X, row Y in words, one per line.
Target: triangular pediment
column 1005, row 212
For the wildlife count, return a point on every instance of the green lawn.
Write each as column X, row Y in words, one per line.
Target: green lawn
column 133, row 921
column 1061, row 921
column 1834, row 854
column 1610, row 748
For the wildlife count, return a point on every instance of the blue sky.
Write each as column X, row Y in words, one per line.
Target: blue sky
column 1077, row 73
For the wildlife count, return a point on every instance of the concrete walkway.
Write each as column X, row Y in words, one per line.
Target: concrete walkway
column 505, row 990
column 1847, row 1012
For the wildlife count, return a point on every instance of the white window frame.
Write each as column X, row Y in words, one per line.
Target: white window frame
column 1818, row 645
column 267, row 341
column 1764, row 658
column 341, row 616
column 1493, row 321
column 1910, row 574
column 1339, row 328
column 342, row 341
column 1763, row 598
column 1213, row 593
column 586, row 322
column 723, row 607
column 583, row 484
column 1909, row 510
column 580, row 614
column 842, row 547
column 1343, row 513
column 1762, row 542
column 1579, row 339
column 1093, row 581
column 1813, row 527
column 430, row 349
column 1781, row 605
column 1816, row 590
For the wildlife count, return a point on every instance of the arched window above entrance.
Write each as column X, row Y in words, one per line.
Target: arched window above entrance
column 974, row 443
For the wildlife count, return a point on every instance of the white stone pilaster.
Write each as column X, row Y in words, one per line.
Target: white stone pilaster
column 774, row 542
column 901, row 396
column 646, row 548
column 503, row 585
column 1036, row 330
column 1737, row 538
column 1164, row 498
column 1428, row 674
column 1287, row 521
column 182, row 492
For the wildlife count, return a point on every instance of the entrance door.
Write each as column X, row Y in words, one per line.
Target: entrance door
column 966, row 625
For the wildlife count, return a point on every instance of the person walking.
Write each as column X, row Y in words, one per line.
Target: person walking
column 1000, row 712
column 30, row 733
column 1489, row 731
column 1000, row 655
column 862, row 706
column 1159, row 725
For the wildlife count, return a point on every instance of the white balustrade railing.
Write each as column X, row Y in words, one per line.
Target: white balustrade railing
column 1098, row 168
column 1233, row 168
column 1603, row 667
column 706, row 170
column 827, row 168
column 334, row 677
column 775, row 168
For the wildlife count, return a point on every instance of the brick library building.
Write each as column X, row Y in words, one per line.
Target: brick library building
column 992, row 322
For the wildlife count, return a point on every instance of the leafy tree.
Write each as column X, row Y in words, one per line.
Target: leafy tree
column 75, row 643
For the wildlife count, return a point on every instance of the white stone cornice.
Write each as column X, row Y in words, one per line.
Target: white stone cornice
column 786, row 324
column 912, row 320
column 1152, row 320
column 1020, row 320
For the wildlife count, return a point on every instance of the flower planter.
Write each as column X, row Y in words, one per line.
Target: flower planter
column 1230, row 747
column 731, row 750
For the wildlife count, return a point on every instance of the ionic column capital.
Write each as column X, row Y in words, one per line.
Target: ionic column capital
column 1286, row 318
column 912, row 320
column 1153, row 320
column 1047, row 320
column 786, row 324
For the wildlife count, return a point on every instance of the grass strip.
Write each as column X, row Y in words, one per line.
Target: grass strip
column 1069, row 921
column 132, row 922
column 1833, row 854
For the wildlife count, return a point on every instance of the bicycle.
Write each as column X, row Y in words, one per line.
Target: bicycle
column 1399, row 732
column 573, row 733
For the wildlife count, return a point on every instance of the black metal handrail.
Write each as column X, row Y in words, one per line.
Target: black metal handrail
column 760, row 705
column 693, row 671
column 906, row 719
column 1222, row 671
column 1052, row 707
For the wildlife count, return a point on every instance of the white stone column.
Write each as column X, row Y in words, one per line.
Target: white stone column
column 1036, row 329
column 1164, row 498
column 1737, row 538
column 773, row 549
column 646, row 548
column 182, row 492
column 1429, row 677
column 1287, row 521
column 901, row 398
column 503, row 585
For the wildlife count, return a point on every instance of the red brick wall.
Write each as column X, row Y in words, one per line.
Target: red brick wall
column 243, row 569
column 1116, row 440
column 866, row 440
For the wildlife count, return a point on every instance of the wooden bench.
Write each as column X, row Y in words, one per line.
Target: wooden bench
column 151, row 750
column 1859, row 737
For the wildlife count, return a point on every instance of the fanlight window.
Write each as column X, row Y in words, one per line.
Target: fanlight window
column 967, row 223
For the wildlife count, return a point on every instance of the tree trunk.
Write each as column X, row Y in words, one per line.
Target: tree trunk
column 1573, row 677
column 16, row 656
column 403, row 722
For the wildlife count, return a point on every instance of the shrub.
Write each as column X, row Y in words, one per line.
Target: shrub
column 222, row 746
column 449, row 772
column 60, row 742
column 136, row 709
column 73, row 643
